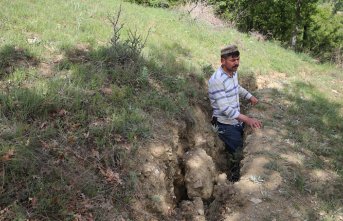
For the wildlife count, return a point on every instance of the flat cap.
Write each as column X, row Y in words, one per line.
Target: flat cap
column 228, row 49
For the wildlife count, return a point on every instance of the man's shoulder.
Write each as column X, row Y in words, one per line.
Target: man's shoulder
column 216, row 77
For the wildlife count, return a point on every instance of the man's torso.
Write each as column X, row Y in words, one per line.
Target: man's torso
column 231, row 88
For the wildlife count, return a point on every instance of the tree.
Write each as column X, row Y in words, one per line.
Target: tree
column 325, row 34
column 284, row 20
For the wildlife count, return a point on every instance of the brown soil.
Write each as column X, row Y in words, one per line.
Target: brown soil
column 182, row 173
column 177, row 186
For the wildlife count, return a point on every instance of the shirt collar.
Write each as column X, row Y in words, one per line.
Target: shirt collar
column 224, row 73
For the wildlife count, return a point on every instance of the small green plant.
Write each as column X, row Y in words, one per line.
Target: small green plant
column 273, row 165
column 299, row 182
column 125, row 56
column 24, row 104
column 208, row 70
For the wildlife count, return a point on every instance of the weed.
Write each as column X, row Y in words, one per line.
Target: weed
column 273, row 165
column 299, row 182
column 24, row 104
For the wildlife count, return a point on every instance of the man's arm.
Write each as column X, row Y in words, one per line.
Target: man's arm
column 252, row 122
column 246, row 95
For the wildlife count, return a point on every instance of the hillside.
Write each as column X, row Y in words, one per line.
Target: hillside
column 94, row 130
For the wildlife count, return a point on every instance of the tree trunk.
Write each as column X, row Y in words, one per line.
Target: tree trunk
column 295, row 33
column 305, row 37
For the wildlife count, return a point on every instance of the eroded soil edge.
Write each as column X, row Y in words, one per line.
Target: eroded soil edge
column 182, row 174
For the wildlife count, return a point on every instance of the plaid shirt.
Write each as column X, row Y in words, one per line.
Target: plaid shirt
column 224, row 94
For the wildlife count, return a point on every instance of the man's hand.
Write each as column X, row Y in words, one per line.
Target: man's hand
column 253, row 100
column 252, row 122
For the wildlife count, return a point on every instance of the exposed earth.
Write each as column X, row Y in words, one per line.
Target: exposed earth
column 183, row 173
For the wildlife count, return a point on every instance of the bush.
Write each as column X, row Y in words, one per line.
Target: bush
column 152, row 3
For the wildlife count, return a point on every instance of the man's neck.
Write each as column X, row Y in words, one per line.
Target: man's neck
column 229, row 73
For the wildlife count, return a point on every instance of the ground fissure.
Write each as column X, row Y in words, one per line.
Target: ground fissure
column 199, row 188
column 196, row 185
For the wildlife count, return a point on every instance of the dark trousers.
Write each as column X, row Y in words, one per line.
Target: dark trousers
column 232, row 136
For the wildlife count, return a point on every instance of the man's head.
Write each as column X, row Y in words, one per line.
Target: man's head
column 230, row 58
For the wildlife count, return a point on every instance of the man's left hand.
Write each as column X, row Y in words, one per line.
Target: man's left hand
column 253, row 100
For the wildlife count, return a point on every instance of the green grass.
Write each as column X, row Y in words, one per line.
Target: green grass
column 55, row 122
column 313, row 120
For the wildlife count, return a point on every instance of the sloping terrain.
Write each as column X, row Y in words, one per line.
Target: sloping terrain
column 93, row 128
column 282, row 178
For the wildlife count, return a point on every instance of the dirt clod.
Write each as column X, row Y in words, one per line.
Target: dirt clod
column 193, row 210
column 200, row 174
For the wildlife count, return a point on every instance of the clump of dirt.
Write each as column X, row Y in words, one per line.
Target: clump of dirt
column 193, row 210
column 200, row 174
column 226, row 201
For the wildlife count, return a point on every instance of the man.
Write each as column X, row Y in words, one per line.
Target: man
column 224, row 91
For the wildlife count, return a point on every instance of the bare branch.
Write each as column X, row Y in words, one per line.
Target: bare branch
column 116, row 26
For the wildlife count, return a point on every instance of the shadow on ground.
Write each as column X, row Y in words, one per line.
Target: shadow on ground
column 317, row 127
column 12, row 57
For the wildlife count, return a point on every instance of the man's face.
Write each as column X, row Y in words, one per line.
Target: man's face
column 231, row 63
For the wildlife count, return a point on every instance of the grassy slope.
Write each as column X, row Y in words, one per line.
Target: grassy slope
column 52, row 121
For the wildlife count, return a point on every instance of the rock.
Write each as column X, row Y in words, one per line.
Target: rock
column 222, row 178
column 33, row 40
column 256, row 200
column 199, row 174
column 157, row 150
column 197, row 184
column 228, row 210
column 106, row 91
column 199, row 205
